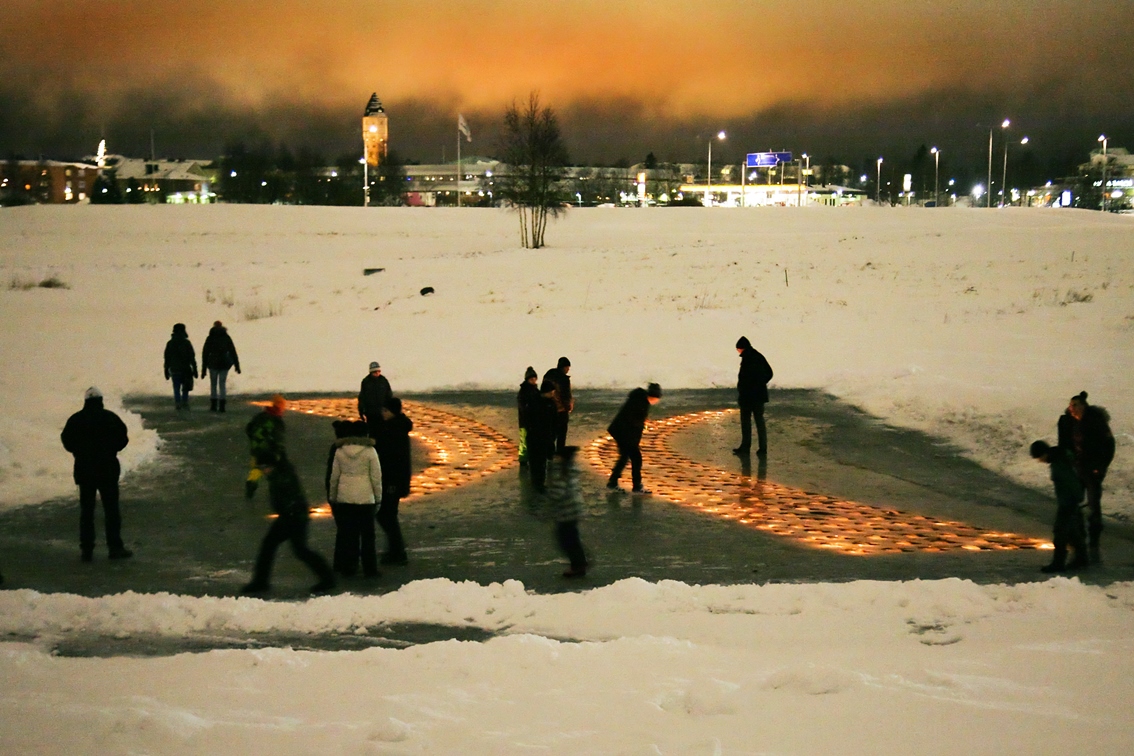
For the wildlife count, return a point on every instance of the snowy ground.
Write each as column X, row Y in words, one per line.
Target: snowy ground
column 974, row 325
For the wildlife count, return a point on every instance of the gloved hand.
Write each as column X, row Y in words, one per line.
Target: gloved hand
column 238, row 370
column 167, row 375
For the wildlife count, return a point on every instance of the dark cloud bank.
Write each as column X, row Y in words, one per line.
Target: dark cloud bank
column 190, row 120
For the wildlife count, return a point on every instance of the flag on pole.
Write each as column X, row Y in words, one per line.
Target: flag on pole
column 463, row 127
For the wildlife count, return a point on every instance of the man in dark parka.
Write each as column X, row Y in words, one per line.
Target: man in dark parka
column 626, row 429
column 752, row 395
column 566, row 403
column 95, row 435
column 541, row 432
column 373, row 394
column 394, row 454
column 1084, row 429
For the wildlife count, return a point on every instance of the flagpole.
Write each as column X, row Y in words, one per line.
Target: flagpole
column 458, row 160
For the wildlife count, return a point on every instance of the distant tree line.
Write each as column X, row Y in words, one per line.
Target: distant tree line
column 265, row 174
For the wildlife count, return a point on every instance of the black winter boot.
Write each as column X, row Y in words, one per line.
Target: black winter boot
column 212, row 405
column 220, row 405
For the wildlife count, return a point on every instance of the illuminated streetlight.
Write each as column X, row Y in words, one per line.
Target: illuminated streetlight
column 878, row 184
column 709, row 194
column 1004, row 176
column 1102, row 138
column 936, row 168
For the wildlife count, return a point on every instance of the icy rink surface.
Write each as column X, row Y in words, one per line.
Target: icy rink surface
column 973, row 325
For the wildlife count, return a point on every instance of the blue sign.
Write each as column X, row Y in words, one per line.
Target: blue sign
column 767, row 159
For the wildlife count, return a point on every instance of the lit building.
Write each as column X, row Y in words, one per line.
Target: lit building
column 168, row 181
column 46, row 181
column 375, row 132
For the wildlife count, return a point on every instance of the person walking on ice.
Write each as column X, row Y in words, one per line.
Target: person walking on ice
column 180, row 365
column 218, row 356
column 567, row 507
column 292, row 514
column 626, row 430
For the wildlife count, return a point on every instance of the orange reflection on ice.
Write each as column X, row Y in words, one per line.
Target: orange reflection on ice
column 461, row 451
column 816, row 520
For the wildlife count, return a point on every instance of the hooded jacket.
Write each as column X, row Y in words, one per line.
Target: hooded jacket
column 219, row 353
column 180, row 357
column 356, row 475
column 95, row 436
column 752, row 380
column 1090, row 439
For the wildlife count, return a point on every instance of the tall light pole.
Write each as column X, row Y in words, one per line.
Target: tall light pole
column 709, row 194
column 878, row 184
column 1102, row 138
column 1004, row 176
column 988, row 200
column 936, row 172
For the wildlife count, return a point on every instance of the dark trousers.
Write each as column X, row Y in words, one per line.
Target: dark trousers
column 288, row 528
column 567, row 534
column 108, row 490
column 354, row 539
column 1068, row 532
column 181, row 385
column 375, row 425
column 562, row 420
column 749, row 413
column 537, row 465
column 633, row 454
column 1093, row 484
column 388, row 521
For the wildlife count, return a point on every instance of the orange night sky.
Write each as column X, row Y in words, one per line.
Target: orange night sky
column 624, row 76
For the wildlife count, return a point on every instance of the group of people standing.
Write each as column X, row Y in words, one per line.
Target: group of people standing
column 368, row 467
column 1079, row 462
column 367, row 474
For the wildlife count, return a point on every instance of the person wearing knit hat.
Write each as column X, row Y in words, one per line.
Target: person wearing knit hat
column 626, row 429
column 95, row 435
column 752, row 395
column 566, row 402
column 218, row 356
column 525, row 400
column 265, row 433
column 373, row 394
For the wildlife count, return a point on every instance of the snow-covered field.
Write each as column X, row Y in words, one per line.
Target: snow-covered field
column 973, row 325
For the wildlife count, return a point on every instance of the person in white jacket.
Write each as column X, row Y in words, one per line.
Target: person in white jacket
column 354, row 490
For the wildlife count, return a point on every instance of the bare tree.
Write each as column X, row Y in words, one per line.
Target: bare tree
column 536, row 160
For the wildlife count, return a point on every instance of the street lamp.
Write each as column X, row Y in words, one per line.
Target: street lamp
column 878, row 184
column 936, row 172
column 1004, row 175
column 988, row 201
column 1102, row 138
column 709, row 194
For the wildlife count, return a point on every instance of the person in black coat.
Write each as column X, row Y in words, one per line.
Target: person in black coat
column 292, row 514
column 525, row 400
column 218, row 356
column 397, row 469
column 1084, row 429
column 626, row 429
column 1068, row 530
column 180, row 365
column 752, row 395
column 541, row 432
column 372, row 396
column 566, row 402
column 95, row 435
